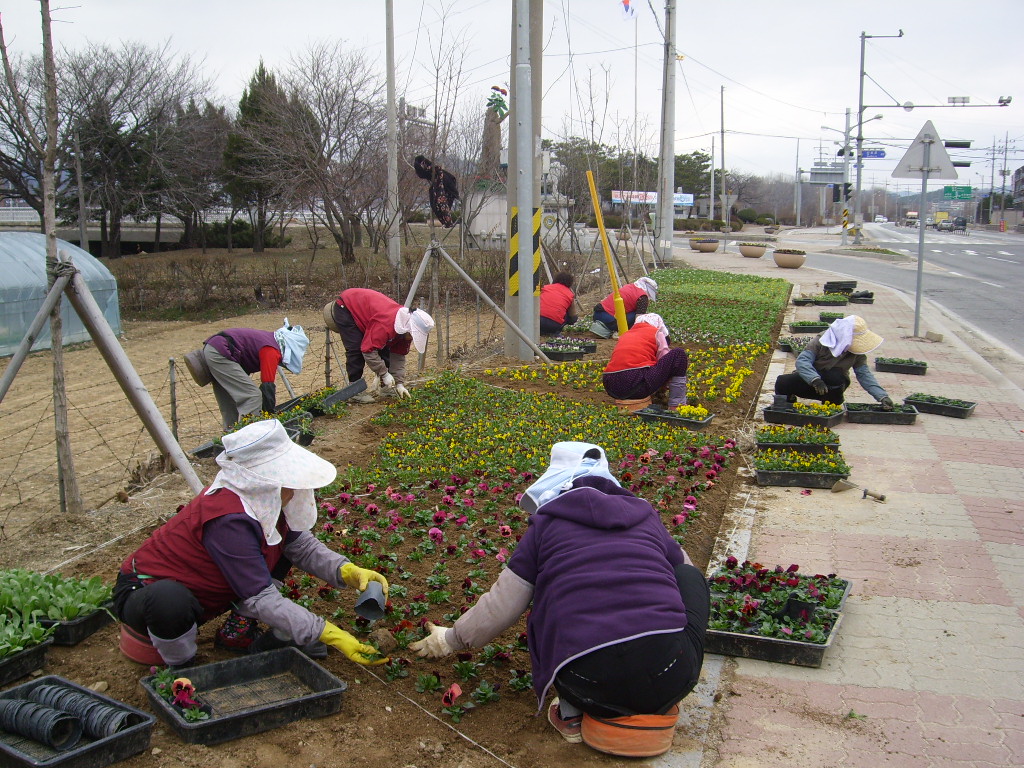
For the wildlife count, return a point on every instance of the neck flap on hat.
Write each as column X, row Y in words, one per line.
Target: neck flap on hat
column 293, row 343
column 839, row 335
column 570, row 461
column 262, row 500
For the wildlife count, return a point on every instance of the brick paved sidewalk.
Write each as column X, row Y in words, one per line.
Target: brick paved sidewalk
column 928, row 666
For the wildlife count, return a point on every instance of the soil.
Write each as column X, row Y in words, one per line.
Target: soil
column 382, row 724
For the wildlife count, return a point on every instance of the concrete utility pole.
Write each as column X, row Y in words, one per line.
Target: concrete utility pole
column 796, row 187
column 666, row 184
column 524, row 171
column 725, row 187
column 393, row 209
column 711, row 167
column 846, row 174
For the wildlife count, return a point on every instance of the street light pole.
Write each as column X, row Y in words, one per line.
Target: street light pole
column 860, row 136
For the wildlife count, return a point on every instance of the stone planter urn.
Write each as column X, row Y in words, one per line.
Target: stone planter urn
column 788, row 258
column 705, row 245
column 752, row 250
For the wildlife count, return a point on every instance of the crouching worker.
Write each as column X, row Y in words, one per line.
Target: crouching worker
column 556, row 305
column 642, row 363
column 619, row 611
column 233, row 354
column 224, row 550
column 823, row 368
column 636, row 298
column 377, row 331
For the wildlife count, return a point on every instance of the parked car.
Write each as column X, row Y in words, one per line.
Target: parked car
column 945, row 225
column 880, row 219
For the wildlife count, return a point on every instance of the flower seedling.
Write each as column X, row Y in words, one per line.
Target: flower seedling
column 427, row 683
column 521, row 680
column 485, row 693
column 396, row 669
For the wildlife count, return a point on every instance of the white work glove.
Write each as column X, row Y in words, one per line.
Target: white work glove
column 387, row 381
column 402, row 391
column 434, row 645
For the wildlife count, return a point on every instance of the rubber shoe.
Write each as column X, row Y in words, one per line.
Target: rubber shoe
column 568, row 727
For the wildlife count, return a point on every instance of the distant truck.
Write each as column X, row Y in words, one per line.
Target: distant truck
column 911, row 219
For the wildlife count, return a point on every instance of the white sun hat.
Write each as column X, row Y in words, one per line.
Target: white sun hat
column 418, row 323
column 258, row 461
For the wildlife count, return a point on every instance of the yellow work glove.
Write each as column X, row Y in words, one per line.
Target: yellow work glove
column 360, row 653
column 358, row 578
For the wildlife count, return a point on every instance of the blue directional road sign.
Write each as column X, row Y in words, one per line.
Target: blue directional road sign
column 876, row 154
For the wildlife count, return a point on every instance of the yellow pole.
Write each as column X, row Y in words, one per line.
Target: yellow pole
column 620, row 308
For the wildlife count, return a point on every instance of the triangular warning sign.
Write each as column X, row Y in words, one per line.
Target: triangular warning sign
column 939, row 164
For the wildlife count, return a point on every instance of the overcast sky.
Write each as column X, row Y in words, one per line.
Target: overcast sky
column 788, row 67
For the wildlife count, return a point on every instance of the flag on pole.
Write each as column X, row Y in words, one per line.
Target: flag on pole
column 628, row 9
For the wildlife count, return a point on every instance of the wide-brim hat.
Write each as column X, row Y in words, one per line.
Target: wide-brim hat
column 864, row 340
column 329, row 316
column 264, row 450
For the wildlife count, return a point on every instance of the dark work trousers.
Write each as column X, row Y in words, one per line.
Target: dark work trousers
column 549, row 327
column 352, row 338
column 648, row 675
column 793, row 384
column 608, row 319
column 165, row 607
column 635, row 383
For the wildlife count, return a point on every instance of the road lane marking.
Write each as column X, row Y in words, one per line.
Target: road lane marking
column 954, row 273
column 1005, row 253
column 1008, row 261
column 971, row 253
column 936, row 250
column 994, row 285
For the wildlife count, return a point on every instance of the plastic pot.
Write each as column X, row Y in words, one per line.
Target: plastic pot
column 371, row 604
column 98, row 720
column 52, row 727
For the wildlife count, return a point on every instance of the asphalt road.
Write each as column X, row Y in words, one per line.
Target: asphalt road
column 979, row 277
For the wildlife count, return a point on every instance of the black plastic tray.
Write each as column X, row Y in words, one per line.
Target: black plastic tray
column 252, row 695
column 799, row 447
column 875, row 415
column 75, row 631
column 942, row 409
column 912, row 370
column 562, row 357
column 861, row 300
column 21, row 663
column 798, row 479
column 789, row 416
column 20, row 751
column 814, row 328
column 770, row 648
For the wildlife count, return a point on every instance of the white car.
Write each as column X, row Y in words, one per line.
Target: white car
column 881, row 220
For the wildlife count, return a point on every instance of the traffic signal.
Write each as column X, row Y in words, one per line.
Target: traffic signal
column 958, row 144
column 847, row 187
column 836, row 190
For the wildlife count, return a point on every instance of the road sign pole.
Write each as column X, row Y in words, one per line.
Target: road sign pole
column 920, row 234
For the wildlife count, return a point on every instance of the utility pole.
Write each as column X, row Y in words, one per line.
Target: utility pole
column 992, row 182
column 1002, row 195
column 523, row 170
column 666, row 183
column 711, row 202
column 846, row 176
column 393, row 209
column 725, row 187
column 796, row 186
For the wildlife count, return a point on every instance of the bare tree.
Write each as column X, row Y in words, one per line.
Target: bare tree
column 46, row 148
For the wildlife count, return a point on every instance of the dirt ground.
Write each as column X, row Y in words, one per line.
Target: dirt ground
column 379, row 725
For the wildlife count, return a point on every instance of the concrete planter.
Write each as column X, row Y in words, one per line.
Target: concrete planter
column 705, row 247
column 789, row 260
column 752, row 251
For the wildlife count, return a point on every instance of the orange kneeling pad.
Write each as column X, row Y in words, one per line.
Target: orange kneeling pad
column 139, row 648
column 632, row 736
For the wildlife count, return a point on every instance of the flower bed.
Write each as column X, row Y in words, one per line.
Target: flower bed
column 811, row 439
column 873, row 413
column 906, row 365
column 800, row 468
column 943, row 406
column 775, row 614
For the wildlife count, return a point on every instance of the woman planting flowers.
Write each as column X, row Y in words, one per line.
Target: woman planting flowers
column 823, row 368
column 621, row 651
column 642, row 363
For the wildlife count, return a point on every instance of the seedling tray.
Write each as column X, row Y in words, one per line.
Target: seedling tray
column 208, row 450
column 913, row 370
column 650, row 413
column 76, row 630
column 21, row 663
column 872, row 413
column 812, row 328
column 802, row 447
column 88, row 753
column 832, row 302
column 798, row 479
column 770, row 648
column 252, row 695
column 803, row 302
column 789, row 416
column 942, row 409
column 562, row 357
column 862, row 300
